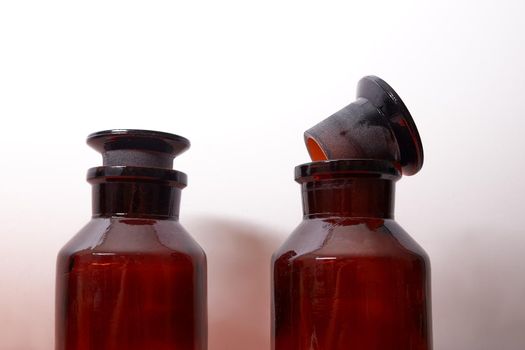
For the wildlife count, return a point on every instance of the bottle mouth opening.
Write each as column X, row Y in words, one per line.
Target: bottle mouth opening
column 344, row 168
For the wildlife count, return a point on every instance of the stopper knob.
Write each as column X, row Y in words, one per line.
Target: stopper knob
column 375, row 126
column 138, row 148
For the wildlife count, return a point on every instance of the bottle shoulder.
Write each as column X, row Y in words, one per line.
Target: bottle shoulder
column 132, row 236
column 340, row 238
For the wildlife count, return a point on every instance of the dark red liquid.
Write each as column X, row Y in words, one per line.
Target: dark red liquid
column 131, row 284
column 335, row 296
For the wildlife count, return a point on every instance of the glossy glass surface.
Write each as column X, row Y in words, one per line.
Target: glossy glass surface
column 349, row 277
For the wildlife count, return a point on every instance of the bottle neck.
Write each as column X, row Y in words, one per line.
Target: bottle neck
column 136, row 199
column 349, row 197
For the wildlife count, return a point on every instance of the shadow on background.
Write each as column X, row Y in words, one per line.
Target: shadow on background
column 239, row 258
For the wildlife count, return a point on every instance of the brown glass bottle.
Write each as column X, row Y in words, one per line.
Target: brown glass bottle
column 133, row 278
column 349, row 277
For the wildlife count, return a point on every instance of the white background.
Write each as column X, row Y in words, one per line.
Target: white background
column 242, row 80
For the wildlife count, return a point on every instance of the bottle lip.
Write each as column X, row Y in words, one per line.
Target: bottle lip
column 340, row 168
column 169, row 177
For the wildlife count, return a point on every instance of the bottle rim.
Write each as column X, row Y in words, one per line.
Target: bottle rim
column 137, row 174
column 340, row 168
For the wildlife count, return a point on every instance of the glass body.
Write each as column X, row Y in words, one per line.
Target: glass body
column 349, row 277
column 132, row 278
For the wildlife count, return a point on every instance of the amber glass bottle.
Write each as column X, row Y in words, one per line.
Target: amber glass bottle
column 133, row 278
column 349, row 277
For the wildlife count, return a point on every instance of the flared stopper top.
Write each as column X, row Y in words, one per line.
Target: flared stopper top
column 138, row 148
